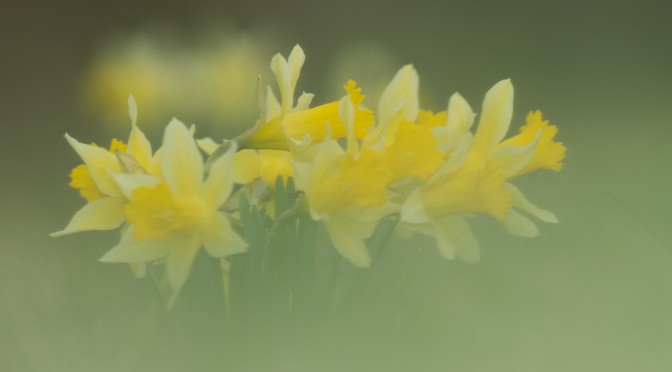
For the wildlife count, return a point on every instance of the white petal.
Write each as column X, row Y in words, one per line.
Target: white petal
column 519, row 225
column 131, row 251
column 217, row 188
column 129, row 182
column 222, row 240
column 520, row 202
column 181, row 163
column 99, row 161
column 455, row 238
column 403, row 88
column 100, row 214
column 179, row 263
column 495, row 117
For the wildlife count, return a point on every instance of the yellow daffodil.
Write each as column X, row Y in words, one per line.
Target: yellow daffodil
column 104, row 210
column 344, row 191
column 533, row 148
column 474, row 178
column 287, row 125
column 172, row 216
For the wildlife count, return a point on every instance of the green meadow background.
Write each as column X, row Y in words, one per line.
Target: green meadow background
column 593, row 293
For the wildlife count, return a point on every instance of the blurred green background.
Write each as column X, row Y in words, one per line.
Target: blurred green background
column 593, row 293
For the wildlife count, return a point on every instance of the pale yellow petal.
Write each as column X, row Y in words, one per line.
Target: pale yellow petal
column 460, row 115
column 100, row 214
column 302, row 175
column 519, row 201
column 519, row 225
column 513, row 158
column 495, row 117
column 455, row 238
column 456, row 159
column 460, row 119
column 217, row 188
column 140, row 148
column 413, row 209
column 246, row 166
column 99, row 161
column 207, row 144
column 295, row 63
column 131, row 251
column 129, row 182
column 273, row 108
column 138, row 144
column 280, row 68
column 222, row 240
column 132, row 110
column 351, row 226
column 349, row 243
column 304, row 101
column 179, row 263
column 401, row 94
column 181, row 164
column 346, row 112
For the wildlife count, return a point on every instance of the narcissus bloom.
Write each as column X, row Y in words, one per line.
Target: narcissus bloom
column 173, row 216
column 104, row 210
column 352, row 170
column 286, row 124
column 474, row 179
column 344, row 191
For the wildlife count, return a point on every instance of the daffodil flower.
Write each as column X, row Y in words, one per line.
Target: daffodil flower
column 104, row 210
column 533, row 148
column 287, row 125
column 171, row 217
column 343, row 192
column 474, row 178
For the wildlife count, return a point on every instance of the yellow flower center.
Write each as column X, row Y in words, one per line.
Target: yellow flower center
column 412, row 152
column 82, row 180
column 156, row 213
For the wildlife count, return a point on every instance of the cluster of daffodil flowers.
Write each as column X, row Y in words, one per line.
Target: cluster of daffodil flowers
column 352, row 167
